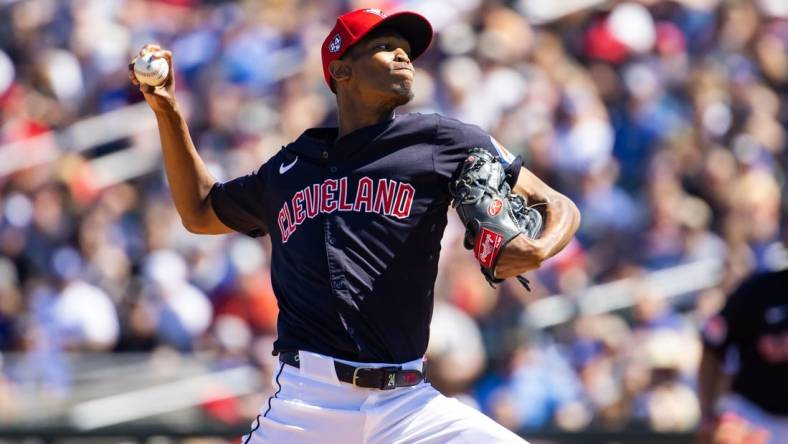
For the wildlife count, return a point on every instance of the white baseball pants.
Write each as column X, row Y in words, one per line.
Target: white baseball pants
column 311, row 406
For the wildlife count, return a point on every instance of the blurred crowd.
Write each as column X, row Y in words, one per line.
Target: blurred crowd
column 665, row 121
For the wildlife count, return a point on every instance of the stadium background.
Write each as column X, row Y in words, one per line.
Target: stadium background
column 665, row 121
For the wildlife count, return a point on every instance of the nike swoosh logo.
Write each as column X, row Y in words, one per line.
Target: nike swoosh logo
column 283, row 169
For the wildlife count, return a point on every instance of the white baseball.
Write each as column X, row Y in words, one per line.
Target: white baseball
column 151, row 71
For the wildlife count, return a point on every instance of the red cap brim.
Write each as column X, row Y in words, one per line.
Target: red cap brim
column 416, row 29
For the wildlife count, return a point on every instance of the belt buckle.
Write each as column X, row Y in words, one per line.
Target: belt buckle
column 355, row 374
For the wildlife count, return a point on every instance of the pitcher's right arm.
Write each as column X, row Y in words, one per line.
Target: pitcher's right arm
column 188, row 177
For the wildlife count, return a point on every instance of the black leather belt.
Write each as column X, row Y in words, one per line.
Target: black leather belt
column 383, row 378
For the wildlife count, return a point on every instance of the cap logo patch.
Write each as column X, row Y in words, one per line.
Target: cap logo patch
column 336, row 44
column 375, row 11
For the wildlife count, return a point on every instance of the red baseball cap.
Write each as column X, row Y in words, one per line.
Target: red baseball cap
column 353, row 26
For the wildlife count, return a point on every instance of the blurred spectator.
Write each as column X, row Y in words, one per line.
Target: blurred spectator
column 456, row 353
column 178, row 311
column 753, row 326
column 540, row 386
column 669, row 404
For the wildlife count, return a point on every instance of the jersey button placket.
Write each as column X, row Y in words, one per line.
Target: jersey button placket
column 336, row 275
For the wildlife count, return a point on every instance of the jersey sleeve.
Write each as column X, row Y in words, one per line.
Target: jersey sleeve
column 455, row 139
column 239, row 203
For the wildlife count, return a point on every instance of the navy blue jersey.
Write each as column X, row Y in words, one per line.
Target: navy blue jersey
column 754, row 321
column 355, row 227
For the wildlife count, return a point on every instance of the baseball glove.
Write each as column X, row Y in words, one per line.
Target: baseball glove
column 491, row 213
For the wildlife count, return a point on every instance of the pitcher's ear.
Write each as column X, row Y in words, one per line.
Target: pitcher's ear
column 339, row 70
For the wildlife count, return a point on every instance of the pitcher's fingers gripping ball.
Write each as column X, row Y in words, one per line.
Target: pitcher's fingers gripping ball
column 491, row 213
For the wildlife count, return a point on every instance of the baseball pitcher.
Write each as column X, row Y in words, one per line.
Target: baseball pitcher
column 356, row 214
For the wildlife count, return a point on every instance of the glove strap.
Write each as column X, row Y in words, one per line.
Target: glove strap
column 526, row 283
column 492, row 280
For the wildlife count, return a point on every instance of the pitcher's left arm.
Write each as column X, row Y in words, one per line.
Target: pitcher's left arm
column 561, row 221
